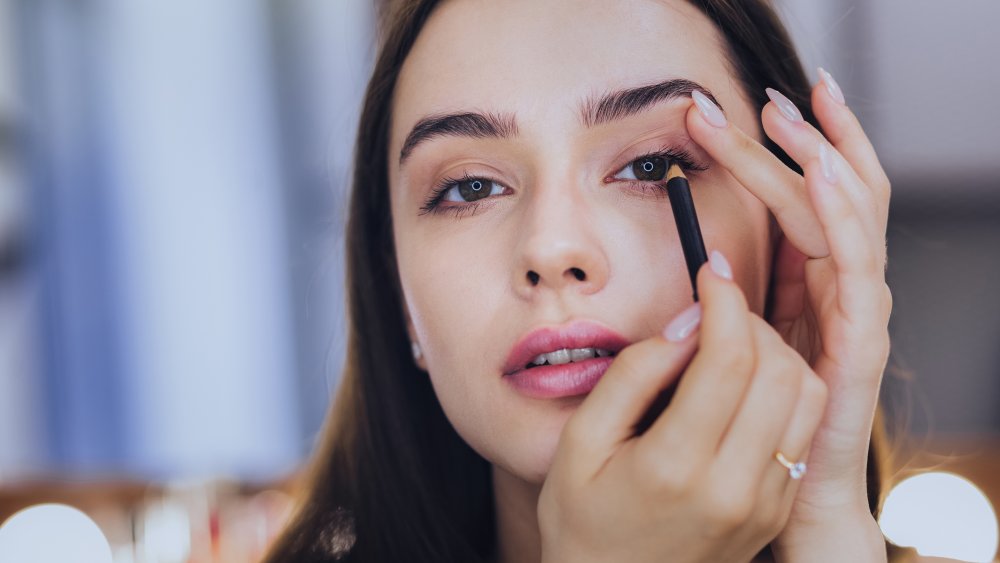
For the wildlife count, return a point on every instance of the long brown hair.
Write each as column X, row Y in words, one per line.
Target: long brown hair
column 391, row 479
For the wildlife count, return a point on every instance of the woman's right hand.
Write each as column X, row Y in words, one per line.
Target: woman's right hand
column 702, row 483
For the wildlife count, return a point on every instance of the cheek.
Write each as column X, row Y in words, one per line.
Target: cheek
column 453, row 293
column 515, row 433
column 453, row 289
column 736, row 223
column 645, row 241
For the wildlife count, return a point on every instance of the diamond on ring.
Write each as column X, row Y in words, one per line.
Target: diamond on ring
column 795, row 469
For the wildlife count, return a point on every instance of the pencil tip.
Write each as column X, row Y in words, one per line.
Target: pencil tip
column 675, row 172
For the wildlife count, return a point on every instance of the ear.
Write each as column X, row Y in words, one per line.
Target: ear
column 412, row 335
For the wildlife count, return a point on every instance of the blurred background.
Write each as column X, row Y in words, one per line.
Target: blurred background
column 173, row 177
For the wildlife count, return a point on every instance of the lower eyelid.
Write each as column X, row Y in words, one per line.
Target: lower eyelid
column 645, row 190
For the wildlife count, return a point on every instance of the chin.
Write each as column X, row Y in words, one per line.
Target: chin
column 540, row 465
column 525, row 438
column 531, row 455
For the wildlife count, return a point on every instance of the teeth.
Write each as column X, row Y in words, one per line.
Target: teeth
column 566, row 356
column 558, row 357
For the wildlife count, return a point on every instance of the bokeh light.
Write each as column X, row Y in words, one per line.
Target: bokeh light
column 52, row 533
column 167, row 533
column 941, row 515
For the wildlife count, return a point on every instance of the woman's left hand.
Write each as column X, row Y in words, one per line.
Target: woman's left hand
column 831, row 302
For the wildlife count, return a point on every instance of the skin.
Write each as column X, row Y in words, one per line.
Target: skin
column 469, row 299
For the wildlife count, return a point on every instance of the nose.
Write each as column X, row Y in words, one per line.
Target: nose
column 560, row 247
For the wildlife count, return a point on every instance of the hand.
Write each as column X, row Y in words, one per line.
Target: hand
column 831, row 302
column 701, row 483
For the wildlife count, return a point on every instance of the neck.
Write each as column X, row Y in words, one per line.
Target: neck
column 518, row 538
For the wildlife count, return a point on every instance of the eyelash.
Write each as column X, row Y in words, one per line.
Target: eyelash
column 433, row 204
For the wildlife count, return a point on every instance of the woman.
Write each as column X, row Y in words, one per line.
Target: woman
column 508, row 185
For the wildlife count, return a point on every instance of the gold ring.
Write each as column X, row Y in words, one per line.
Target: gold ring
column 795, row 469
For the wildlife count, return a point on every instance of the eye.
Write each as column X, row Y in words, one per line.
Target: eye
column 650, row 168
column 465, row 194
column 471, row 189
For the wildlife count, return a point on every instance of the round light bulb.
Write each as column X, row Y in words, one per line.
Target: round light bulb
column 52, row 533
column 941, row 515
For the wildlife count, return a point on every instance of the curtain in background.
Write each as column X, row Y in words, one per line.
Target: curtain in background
column 178, row 313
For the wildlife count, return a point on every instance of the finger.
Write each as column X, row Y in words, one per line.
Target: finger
column 801, row 141
column 859, row 270
column 794, row 444
column 609, row 414
column 748, row 447
column 763, row 174
column 844, row 131
column 791, row 486
column 707, row 396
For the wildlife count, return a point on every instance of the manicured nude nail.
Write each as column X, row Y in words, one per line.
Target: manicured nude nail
column 709, row 111
column 826, row 164
column 786, row 106
column 720, row 265
column 683, row 324
column 831, row 86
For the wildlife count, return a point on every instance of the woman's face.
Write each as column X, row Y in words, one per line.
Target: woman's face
column 558, row 192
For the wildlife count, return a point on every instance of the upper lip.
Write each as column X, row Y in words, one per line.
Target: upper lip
column 576, row 334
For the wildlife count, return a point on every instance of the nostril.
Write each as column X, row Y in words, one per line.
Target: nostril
column 580, row 275
column 533, row 278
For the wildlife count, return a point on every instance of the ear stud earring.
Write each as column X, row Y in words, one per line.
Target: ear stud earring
column 417, row 352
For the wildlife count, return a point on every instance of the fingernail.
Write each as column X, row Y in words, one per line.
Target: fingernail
column 786, row 106
column 711, row 112
column 720, row 265
column 826, row 164
column 683, row 324
column 831, row 86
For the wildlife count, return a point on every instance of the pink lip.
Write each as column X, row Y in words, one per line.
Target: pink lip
column 566, row 379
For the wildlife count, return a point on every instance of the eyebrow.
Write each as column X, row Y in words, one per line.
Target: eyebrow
column 595, row 110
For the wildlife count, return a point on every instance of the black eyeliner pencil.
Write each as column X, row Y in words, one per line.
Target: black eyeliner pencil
column 687, row 223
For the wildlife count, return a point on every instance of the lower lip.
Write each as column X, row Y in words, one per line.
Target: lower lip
column 564, row 380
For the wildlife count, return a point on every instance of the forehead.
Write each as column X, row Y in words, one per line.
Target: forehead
column 539, row 59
